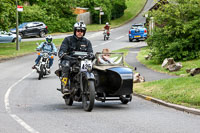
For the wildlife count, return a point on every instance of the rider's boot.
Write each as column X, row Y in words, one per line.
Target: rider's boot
column 65, row 89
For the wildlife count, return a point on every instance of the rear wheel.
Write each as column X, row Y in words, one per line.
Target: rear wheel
column 21, row 34
column 42, row 34
column 88, row 96
column 130, row 40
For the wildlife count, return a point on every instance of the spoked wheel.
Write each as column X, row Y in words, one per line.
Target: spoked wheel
column 88, row 96
column 125, row 98
column 41, row 73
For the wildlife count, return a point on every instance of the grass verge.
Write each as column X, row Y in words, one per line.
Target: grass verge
column 183, row 90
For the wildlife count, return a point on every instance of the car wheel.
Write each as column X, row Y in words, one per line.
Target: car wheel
column 130, row 40
column 42, row 34
column 14, row 40
column 21, row 34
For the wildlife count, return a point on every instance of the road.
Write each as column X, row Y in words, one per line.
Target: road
column 28, row 105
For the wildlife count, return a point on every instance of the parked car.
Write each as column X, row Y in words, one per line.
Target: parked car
column 29, row 29
column 6, row 37
column 137, row 32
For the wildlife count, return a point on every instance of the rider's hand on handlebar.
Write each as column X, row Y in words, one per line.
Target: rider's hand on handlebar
column 55, row 53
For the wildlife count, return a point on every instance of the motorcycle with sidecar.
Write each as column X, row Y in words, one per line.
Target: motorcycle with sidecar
column 104, row 82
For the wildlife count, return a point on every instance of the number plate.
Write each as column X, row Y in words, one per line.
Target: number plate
column 136, row 36
column 85, row 65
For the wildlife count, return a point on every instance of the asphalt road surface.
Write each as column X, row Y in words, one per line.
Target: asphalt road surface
column 28, row 105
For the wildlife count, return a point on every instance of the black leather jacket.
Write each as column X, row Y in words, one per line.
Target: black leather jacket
column 72, row 43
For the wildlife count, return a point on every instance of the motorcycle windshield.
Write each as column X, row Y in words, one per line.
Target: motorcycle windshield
column 114, row 59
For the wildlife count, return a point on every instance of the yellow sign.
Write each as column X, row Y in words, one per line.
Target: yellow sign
column 64, row 80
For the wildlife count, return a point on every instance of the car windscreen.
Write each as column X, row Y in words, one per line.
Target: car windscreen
column 22, row 25
column 109, row 59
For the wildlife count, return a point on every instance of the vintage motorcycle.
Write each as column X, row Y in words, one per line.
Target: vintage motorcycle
column 81, row 82
column 90, row 81
column 106, row 35
column 42, row 67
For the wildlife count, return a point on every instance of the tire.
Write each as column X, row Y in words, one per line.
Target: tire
column 104, row 37
column 69, row 101
column 125, row 99
column 22, row 35
column 42, row 34
column 130, row 40
column 41, row 72
column 14, row 40
column 88, row 97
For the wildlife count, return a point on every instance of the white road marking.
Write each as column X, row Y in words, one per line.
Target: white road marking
column 8, row 108
column 105, row 42
column 119, row 37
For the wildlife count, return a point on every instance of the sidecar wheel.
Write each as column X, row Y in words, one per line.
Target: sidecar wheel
column 41, row 72
column 89, row 95
column 126, row 99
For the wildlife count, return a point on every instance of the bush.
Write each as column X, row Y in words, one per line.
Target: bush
column 177, row 31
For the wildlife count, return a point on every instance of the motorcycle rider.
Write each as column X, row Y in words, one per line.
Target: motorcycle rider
column 107, row 28
column 47, row 46
column 76, row 42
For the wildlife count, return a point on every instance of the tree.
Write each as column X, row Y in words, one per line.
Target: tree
column 7, row 14
column 177, row 31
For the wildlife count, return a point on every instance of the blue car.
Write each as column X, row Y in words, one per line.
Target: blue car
column 137, row 32
column 7, row 37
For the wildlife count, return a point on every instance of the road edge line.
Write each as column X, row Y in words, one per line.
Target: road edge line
column 8, row 108
column 171, row 105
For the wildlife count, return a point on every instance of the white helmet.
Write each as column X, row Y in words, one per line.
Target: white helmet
column 107, row 23
column 80, row 26
column 49, row 39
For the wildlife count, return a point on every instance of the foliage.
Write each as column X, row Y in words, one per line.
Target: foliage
column 177, row 31
column 7, row 14
column 112, row 8
column 57, row 14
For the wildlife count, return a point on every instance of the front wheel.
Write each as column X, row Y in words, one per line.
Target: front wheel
column 88, row 96
column 69, row 101
column 41, row 73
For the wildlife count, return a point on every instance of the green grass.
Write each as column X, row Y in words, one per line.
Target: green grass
column 183, row 91
column 157, row 67
column 8, row 50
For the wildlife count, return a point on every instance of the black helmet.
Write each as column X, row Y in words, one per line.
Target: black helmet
column 49, row 39
column 80, row 26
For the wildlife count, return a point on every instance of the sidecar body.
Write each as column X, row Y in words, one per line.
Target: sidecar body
column 113, row 81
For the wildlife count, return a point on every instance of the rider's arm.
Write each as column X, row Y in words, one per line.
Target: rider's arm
column 40, row 46
column 63, row 48
column 54, row 48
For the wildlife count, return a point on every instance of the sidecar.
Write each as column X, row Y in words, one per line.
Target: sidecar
column 113, row 81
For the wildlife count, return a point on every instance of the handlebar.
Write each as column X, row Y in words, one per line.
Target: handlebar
column 79, row 57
